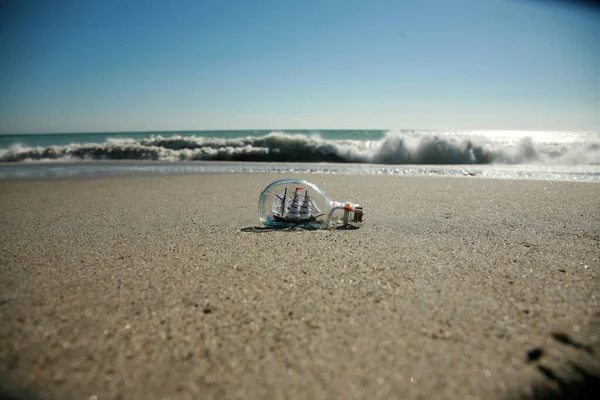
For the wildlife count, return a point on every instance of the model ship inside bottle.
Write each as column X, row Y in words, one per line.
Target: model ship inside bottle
column 296, row 207
column 294, row 203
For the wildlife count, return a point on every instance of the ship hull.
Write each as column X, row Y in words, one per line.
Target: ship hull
column 299, row 220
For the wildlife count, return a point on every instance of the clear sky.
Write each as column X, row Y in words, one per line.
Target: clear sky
column 123, row 65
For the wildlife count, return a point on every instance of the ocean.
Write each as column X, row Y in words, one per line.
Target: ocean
column 541, row 155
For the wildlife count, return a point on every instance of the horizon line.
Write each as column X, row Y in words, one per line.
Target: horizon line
column 290, row 129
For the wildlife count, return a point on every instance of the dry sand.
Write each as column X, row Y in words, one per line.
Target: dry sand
column 160, row 288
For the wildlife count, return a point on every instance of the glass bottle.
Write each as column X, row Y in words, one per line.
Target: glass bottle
column 295, row 203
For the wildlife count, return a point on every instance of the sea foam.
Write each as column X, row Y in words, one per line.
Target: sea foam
column 395, row 147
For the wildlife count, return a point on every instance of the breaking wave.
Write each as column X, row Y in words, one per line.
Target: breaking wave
column 394, row 148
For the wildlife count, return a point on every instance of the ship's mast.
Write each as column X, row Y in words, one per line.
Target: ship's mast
column 283, row 202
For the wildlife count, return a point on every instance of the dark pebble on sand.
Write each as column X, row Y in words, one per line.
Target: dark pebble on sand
column 534, row 354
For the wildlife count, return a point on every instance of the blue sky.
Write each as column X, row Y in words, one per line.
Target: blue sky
column 88, row 65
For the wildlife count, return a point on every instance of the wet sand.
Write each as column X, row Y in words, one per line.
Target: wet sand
column 162, row 287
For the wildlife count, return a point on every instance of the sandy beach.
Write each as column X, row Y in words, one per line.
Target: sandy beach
column 162, row 287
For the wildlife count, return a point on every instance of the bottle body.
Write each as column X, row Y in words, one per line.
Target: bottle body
column 295, row 203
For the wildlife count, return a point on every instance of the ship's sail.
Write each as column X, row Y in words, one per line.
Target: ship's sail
column 293, row 211
column 305, row 209
column 314, row 209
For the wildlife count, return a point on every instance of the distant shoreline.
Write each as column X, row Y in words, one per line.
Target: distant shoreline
column 109, row 168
